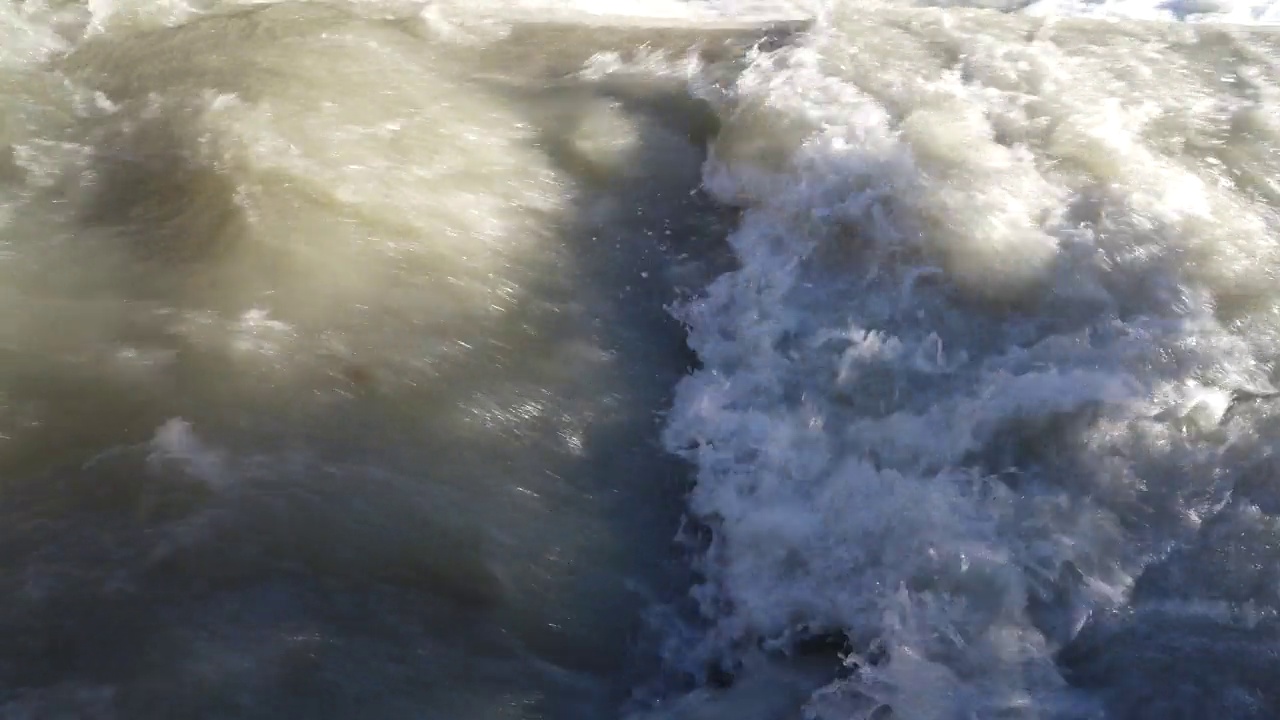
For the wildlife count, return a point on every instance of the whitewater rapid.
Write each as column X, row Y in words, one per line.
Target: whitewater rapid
column 635, row 358
column 991, row 397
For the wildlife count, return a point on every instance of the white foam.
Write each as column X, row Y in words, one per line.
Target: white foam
column 1243, row 12
column 176, row 443
column 977, row 363
column 1004, row 279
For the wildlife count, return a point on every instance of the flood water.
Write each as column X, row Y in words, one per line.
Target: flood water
column 334, row 348
column 656, row 360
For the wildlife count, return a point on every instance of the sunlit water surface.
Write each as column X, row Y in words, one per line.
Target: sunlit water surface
column 598, row 359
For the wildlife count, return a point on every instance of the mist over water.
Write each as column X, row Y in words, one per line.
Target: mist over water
column 638, row 359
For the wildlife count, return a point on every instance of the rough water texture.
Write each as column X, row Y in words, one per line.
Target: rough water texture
column 992, row 395
column 334, row 345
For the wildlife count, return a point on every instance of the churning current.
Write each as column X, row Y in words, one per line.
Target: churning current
column 658, row 360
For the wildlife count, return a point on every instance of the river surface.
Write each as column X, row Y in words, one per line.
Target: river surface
column 639, row 359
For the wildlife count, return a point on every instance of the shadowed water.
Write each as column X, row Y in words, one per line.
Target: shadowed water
column 336, row 369
column 333, row 353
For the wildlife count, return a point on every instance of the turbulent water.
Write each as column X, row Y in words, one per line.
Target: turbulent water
column 658, row 360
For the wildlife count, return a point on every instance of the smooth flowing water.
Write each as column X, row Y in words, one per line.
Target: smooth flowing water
column 660, row 360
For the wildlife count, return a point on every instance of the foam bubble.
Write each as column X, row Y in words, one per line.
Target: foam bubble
column 977, row 370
